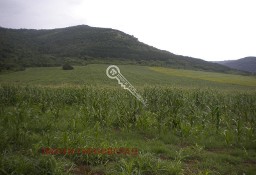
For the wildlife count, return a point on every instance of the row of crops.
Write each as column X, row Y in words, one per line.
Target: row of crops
column 36, row 117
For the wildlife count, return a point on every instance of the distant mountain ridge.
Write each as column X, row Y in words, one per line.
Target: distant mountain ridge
column 245, row 64
column 84, row 44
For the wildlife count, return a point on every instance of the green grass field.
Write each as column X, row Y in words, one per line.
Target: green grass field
column 194, row 122
column 210, row 76
column 139, row 76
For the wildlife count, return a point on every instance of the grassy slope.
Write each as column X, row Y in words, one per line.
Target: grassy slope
column 137, row 75
column 209, row 76
column 50, row 121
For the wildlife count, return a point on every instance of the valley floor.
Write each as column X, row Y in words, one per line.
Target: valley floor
column 194, row 122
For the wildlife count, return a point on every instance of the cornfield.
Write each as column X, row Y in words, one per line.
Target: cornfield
column 35, row 117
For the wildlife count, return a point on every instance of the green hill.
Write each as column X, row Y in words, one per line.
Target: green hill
column 245, row 64
column 80, row 45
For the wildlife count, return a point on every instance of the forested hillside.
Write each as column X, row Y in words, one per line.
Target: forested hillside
column 83, row 44
column 245, row 64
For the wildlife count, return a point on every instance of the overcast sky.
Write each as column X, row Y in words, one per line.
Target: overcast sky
column 206, row 29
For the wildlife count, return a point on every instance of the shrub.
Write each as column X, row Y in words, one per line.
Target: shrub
column 67, row 67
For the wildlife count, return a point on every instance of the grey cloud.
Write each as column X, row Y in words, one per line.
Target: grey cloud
column 36, row 13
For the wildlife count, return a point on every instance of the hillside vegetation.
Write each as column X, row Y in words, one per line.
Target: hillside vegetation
column 245, row 64
column 83, row 44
